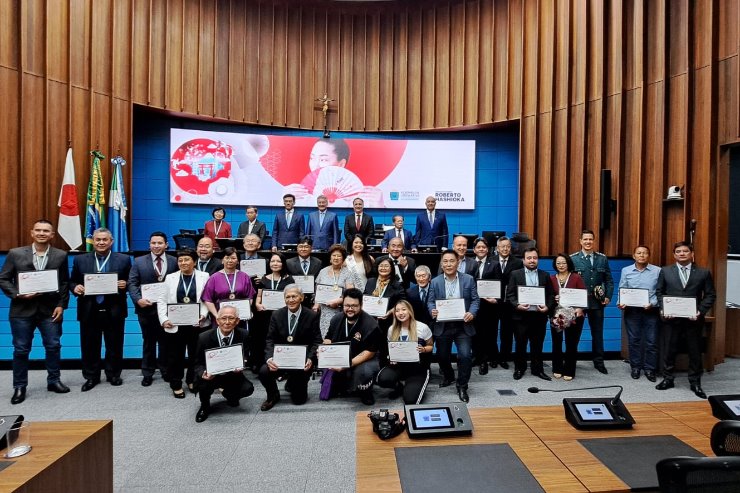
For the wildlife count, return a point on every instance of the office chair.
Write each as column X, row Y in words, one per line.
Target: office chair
column 521, row 241
column 699, row 474
column 725, row 438
column 185, row 241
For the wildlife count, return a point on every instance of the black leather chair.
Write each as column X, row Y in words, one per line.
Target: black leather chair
column 699, row 474
column 725, row 439
column 185, row 241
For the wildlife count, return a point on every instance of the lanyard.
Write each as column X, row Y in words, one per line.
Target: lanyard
column 188, row 286
column 451, row 288
column 40, row 260
column 217, row 229
column 232, row 286
column 100, row 266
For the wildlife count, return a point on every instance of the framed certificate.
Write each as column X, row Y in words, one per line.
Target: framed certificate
column 531, row 295
column 253, row 267
column 634, row 297
column 273, row 300
column 376, row 306
column 38, row 281
column 450, row 310
column 333, row 355
column 572, row 297
column 103, row 283
column 289, row 357
column 403, row 351
column 326, row 293
column 153, row 291
column 224, row 359
column 489, row 288
column 244, row 307
column 679, row 306
column 183, row 313
column 306, row 283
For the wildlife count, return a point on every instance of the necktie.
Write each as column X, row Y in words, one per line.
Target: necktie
column 293, row 320
column 503, row 266
column 100, row 298
column 159, row 264
column 288, row 217
column 321, row 220
column 225, row 341
column 684, row 276
column 480, row 269
column 305, row 267
column 398, row 233
column 358, row 222
column 590, row 260
column 431, row 219
column 201, row 265
column 423, row 293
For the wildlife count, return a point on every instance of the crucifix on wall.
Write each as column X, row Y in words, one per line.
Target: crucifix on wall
column 325, row 109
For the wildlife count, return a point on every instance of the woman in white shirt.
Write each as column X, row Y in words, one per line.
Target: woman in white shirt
column 359, row 262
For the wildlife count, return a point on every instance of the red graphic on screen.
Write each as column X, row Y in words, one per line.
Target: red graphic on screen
column 198, row 163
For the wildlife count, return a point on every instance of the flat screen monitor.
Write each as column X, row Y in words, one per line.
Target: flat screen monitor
column 431, row 419
column 436, row 420
column 597, row 413
column 594, row 412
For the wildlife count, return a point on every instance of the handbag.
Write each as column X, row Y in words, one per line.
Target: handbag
column 7, row 423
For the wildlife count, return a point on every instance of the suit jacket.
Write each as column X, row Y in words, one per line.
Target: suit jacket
column 436, row 234
column 512, row 264
column 421, row 312
column 214, row 265
column 407, row 275
column 307, row 332
column 325, row 235
column 409, row 241
column 519, row 278
column 469, row 290
column 489, row 269
column 293, row 265
column 259, row 229
column 367, row 227
column 699, row 285
column 170, row 294
column 85, row 264
column 598, row 274
column 209, row 340
column 209, row 229
column 282, row 232
column 21, row 260
column 394, row 291
column 143, row 272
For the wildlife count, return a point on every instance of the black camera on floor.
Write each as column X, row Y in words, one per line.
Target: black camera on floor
column 385, row 424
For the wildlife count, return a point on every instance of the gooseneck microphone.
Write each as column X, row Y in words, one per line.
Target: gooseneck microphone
column 614, row 401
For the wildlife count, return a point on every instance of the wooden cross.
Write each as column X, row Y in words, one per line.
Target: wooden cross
column 325, row 109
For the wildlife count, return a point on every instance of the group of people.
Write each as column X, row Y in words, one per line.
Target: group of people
column 417, row 305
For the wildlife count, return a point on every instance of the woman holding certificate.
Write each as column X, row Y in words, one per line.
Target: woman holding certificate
column 269, row 298
column 385, row 291
column 229, row 285
column 183, row 316
column 359, row 262
column 407, row 374
column 330, row 285
column 567, row 319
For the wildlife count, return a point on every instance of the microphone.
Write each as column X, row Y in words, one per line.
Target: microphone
column 614, row 401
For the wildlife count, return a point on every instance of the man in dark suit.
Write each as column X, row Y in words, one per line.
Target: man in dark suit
column 234, row 384
column 149, row 270
column 485, row 343
column 403, row 265
column 252, row 226
column 454, row 284
column 252, row 245
column 506, row 264
column 291, row 325
column 206, row 261
column 593, row 267
column 358, row 222
column 530, row 320
column 31, row 310
column 323, row 225
column 685, row 279
column 288, row 226
column 101, row 315
column 418, row 293
column 398, row 231
column 431, row 226
column 304, row 264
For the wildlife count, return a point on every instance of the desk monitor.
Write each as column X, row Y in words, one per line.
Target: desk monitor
column 427, row 248
column 597, row 413
column 435, row 420
column 725, row 406
column 290, row 247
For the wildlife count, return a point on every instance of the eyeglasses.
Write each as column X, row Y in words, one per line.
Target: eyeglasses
column 352, row 306
column 228, row 318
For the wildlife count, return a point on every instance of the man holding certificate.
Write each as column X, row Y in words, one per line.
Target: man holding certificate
column 35, row 279
column 684, row 284
column 292, row 340
column 639, row 305
column 216, row 346
column 530, row 292
column 453, row 302
column 99, row 280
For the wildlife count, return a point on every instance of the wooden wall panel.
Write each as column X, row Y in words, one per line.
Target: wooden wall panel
column 293, row 74
column 472, row 54
column 173, row 56
column 158, row 20
column 442, row 99
column 277, row 67
column 429, row 68
column 360, row 74
column 530, row 49
column 457, row 75
column 33, row 52
column 10, row 38
column 101, row 44
column 515, row 54
column 10, row 189
column 491, row 64
column 190, row 25
column 121, row 50
column 400, row 73
column 652, row 183
column 414, row 78
column 57, row 41
column 386, row 75
column 207, row 65
column 32, row 138
column 140, row 55
column 559, row 184
column 372, row 95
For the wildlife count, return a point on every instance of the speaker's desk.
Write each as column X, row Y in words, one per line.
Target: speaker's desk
column 66, row 456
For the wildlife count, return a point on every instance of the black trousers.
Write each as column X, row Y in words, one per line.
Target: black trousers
column 235, row 386
column 530, row 329
column 690, row 330
column 297, row 383
column 101, row 325
column 566, row 363
column 152, row 335
column 485, row 341
column 412, row 377
column 507, row 331
column 186, row 338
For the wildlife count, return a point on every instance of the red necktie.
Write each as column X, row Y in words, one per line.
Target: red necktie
column 358, row 223
column 159, row 264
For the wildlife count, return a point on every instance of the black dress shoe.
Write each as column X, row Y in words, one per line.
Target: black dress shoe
column 178, row 393
column 446, row 382
column 202, row 414
column 518, row 374
column 696, row 389
column 650, row 375
column 115, row 381
column 635, row 373
column 503, row 364
column 462, row 393
column 543, row 376
column 57, row 387
column 146, row 381
column 89, row 384
column 269, row 403
column 493, row 364
column 601, row 369
column 19, row 395
column 483, row 369
column 367, row 397
column 665, row 385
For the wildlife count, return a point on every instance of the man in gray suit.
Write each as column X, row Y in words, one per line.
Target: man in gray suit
column 685, row 279
column 448, row 285
column 41, row 309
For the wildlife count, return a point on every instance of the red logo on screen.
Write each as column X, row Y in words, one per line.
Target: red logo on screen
column 198, row 163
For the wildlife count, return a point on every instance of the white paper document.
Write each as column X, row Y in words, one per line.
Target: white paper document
column 253, row 267
column 326, row 293
column 183, row 313
column 679, row 306
column 450, row 310
column 103, row 283
column 572, row 297
column 38, row 281
column 153, row 291
column 634, row 297
column 531, row 295
column 244, row 307
column 403, row 351
column 333, row 355
column 306, row 283
column 273, row 300
column 375, row 306
column 224, row 359
column 489, row 288
column 288, row 357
